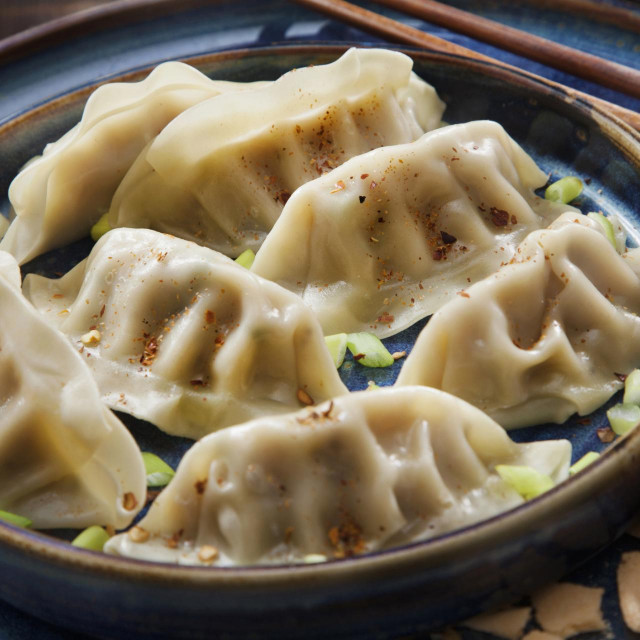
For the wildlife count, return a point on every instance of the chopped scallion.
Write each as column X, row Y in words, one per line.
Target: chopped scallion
column 93, row 538
column 584, row 462
column 246, row 258
column 607, row 227
column 314, row 558
column 564, row 190
column 13, row 518
column 159, row 473
column 527, row 481
column 100, row 228
column 632, row 388
column 337, row 345
column 368, row 350
column 623, row 417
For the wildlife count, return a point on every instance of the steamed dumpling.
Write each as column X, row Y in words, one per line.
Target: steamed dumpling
column 58, row 196
column 366, row 471
column 544, row 337
column 186, row 338
column 221, row 172
column 65, row 460
column 391, row 235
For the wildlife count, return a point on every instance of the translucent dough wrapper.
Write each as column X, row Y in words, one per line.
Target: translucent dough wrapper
column 58, row 196
column 366, row 471
column 183, row 336
column 545, row 336
column 391, row 235
column 221, row 172
column 65, row 460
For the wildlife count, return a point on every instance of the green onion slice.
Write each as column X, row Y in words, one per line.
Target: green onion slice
column 100, row 228
column 337, row 345
column 623, row 417
column 246, row 258
column 584, row 462
column 632, row 388
column 527, row 481
column 606, row 226
column 314, row 558
column 93, row 538
column 13, row 518
column 159, row 473
column 368, row 350
column 564, row 190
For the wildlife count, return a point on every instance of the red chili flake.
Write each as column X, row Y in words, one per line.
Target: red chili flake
column 386, row 318
column 150, row 351
column 57, row 295
column 584, row 421
column 102, row 310
column 481, row 208
column 447, row 238
column 200, row 486
column 358, row 356
column 438, row 254
column 606, row 434
column 347, row 539
column 172, row 542
column 196, row 383
column 499, row 217
column 327, row 413
column 621, row 376
column 339, row 186
column 373, row 185
column 364, row 176
column 514, row 220
column 219, row 341
column 282, row 197
column 464, row 294
column 162, row 256
column 209, row 316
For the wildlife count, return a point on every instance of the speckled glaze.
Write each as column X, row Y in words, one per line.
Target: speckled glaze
column 389, row 594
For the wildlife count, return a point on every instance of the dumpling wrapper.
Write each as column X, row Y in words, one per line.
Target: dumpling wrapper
column 544, row 337
column 366, row 471
column 66, row 461
column 58, row 196
column 189, row 340
column 220, row 173
column 390, row 236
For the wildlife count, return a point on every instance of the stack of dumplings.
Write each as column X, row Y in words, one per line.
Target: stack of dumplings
column 366, row 215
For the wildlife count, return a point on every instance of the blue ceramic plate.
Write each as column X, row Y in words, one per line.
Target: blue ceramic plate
column 393, row 593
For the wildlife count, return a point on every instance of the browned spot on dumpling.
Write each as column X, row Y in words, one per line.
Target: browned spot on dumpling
column 499, row 217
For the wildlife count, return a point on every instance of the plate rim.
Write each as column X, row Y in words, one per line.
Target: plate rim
column 416, row 557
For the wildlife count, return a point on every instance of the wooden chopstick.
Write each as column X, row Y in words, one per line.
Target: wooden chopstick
column 578, row 63
column 623, row 18
column 398, row 32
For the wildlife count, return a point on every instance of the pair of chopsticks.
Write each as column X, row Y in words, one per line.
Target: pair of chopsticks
column 604, row 72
